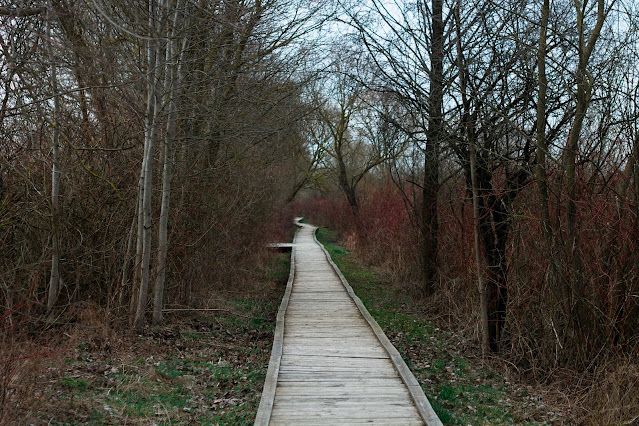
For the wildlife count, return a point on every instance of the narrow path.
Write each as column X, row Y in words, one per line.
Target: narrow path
column 331, row 363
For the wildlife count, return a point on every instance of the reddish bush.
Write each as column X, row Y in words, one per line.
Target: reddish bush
column 540, row 335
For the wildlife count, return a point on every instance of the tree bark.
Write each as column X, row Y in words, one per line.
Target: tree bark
column 431, row 153
column 483, row 294
column 172, row 75
column 151, row 133
column 124, row 283
column 54, row 283
column 139, row 237
column 349, row 190
column 584, row 88
column 494, row 226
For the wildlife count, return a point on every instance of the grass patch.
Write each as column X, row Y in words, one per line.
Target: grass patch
column 462, row 390
column 73, row 383
column 201, row 368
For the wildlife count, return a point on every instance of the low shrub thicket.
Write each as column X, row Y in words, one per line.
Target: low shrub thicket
column 539, row 340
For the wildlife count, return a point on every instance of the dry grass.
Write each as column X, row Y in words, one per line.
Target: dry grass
column 462, row 387
column 613, row 397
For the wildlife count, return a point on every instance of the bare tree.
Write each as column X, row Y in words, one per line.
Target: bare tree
column 54, row 284
column 173, row 74
column 569, row 289
column 155, row 65
column 407, row 47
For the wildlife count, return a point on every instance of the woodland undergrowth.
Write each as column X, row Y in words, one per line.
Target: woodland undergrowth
column 206, row 364
column 597, row 383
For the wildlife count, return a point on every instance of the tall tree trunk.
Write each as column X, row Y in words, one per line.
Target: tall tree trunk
column 124, row 283
column 164, row 221
column 54, row 283
column 584, row 89
column 172, row 85
column 151, row 133
column 431, row 152
column 139, row 236
column 472, row 151
column 494, row 225
column 483, row 292
column 542, row 144
column 349, row 190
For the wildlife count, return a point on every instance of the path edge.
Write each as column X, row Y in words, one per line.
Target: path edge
column 416, row 392
column 265, row 409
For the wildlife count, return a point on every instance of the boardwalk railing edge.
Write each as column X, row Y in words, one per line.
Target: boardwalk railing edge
column 417, row 394
column 265, row 408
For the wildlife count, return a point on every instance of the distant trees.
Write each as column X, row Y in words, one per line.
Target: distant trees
column 216, row 56
column 341, row 130
column 143, row 144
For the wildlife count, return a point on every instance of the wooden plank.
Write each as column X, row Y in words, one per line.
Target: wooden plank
column 328, row 376
column 347, row 412
column 366, row 342
column 331, row 360
column 332, row 367
column 335, row 386
column 353, row 411
column 329, row 372
column 265, row 409
column 323, row 336
column 303, row 326
column 318, row 421
column 335, row 392
column 364, row 353
column 403, row 407
column 302, row 394
column 356, row 330
column 421, row 402
column 280, row 245
column 335, row 367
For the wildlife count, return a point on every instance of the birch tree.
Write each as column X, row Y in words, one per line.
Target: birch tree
column 173, row 75
column 152, row 124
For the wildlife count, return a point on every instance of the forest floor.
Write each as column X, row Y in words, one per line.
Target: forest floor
column 201, row 368
column 209, row 367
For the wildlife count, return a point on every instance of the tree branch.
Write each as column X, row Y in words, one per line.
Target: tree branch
column 19, row 12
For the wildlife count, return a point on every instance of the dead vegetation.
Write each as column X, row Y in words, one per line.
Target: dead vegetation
column 439, row 338
column 206, row 367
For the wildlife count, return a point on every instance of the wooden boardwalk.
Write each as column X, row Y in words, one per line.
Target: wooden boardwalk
column 331, row 363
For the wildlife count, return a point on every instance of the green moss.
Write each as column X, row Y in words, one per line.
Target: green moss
column 73, row 383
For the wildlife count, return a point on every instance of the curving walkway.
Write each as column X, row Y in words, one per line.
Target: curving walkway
column 331, row 363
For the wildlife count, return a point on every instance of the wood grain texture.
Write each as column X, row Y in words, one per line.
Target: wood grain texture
column 332, row 365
